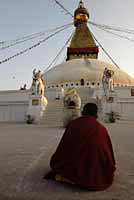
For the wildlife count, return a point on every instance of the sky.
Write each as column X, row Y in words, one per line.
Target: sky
column 19, row 18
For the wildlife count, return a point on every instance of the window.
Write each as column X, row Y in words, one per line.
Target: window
column 82, row 82
column 35, row 102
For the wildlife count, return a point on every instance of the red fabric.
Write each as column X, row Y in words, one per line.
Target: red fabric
column 87, row 49
column 85, row 155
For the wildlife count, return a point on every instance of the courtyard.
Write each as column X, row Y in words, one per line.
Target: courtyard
column 25, row 151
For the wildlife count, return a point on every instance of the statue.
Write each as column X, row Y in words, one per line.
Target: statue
column 72, row 105
column 37, row 101
column 72, row 99
column 107, row 81
column 38, row 83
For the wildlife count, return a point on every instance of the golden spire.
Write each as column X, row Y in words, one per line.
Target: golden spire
column 81, row 14
column 82, row 43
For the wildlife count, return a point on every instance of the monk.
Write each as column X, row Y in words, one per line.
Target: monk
column 84, row 155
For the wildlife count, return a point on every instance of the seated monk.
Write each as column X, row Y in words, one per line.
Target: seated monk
column 84, row 155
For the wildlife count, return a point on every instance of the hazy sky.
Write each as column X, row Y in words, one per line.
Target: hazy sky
column 19, row 18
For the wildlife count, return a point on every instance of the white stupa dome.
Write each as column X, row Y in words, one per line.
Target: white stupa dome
column 90, row 70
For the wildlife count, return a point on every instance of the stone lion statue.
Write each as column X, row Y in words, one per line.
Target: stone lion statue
column 72, row 99
column 38, row 83
column 107, row 81
column 72, row 105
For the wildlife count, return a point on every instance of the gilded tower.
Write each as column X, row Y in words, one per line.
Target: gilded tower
column 82, row 43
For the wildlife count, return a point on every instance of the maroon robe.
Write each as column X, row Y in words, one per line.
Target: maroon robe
column 85, row 155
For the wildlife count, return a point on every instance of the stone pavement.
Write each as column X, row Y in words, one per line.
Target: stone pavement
column 25, row 151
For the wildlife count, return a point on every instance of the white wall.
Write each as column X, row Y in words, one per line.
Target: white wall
column 13, row 105
column 13, row 112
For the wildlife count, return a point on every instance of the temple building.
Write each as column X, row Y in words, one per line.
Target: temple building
column 82, row 71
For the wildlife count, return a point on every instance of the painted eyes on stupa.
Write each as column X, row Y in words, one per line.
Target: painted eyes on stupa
column 83, row 18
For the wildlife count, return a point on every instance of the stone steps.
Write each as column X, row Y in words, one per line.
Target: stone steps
column 53, row 114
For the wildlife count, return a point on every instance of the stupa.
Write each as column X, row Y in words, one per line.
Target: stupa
column 82, row 67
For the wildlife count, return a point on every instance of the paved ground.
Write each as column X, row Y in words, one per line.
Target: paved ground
column 25, row 151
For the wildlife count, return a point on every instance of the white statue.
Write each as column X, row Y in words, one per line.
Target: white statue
column 107, row 81
column 72, row 99
column 72, row 105
column 38, row 83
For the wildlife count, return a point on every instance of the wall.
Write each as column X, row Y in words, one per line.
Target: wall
column 13, row 105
